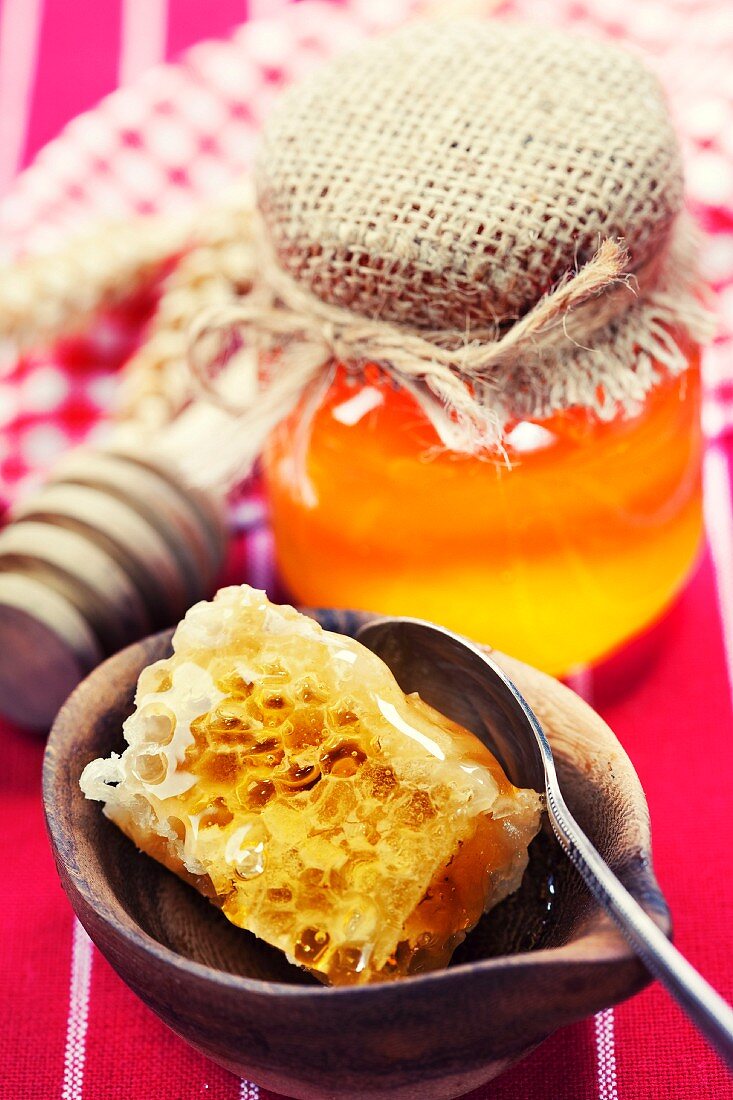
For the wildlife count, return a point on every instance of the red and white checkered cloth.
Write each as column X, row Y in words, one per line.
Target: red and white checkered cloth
column 176, row 132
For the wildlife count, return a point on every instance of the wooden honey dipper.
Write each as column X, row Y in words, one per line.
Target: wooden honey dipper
column 122, row 539
column 117, row 544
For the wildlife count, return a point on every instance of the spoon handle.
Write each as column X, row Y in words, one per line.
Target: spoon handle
column 705, row 1007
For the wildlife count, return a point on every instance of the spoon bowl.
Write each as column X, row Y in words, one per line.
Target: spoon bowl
column 547, row 956
column 463, row 684
column 461, row 679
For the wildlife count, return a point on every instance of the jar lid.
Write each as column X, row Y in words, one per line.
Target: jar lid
column 492, row 212
column 448, row 175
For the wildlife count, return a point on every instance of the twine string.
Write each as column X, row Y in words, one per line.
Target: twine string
column 282, row 323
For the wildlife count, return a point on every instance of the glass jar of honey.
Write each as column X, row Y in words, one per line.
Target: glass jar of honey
column 557, row 551
column 476, row 309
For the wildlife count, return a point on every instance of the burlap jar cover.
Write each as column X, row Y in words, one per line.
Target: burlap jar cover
column 494, row 213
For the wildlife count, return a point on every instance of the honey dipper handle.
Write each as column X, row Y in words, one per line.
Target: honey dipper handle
column 705, row 1007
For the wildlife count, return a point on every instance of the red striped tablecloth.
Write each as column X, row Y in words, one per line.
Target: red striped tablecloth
column 70, row 1029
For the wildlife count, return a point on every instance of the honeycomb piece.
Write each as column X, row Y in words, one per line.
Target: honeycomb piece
column 280, row 769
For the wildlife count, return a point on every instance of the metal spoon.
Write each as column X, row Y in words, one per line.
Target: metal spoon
column 461, row 681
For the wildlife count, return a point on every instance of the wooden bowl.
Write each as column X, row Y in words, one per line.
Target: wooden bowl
column 545, row 957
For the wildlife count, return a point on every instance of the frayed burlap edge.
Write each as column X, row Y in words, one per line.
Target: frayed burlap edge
column 601, row 339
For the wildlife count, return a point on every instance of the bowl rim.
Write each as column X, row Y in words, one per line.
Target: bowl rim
column 66, row 842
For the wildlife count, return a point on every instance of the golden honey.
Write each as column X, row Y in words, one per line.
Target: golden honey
column 557, row 551
column 280, row 769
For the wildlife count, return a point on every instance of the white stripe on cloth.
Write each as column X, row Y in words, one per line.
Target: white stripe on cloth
column 717, row 417
column 581, row 681
column 719, row 525
column 78, row 1019
column 249, row 1091
column 143, row 37
column 247, row 514
column 606, row 1052
column 20, row 23
column 259, row 559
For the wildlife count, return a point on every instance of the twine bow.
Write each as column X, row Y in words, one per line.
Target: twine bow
column 461, row 379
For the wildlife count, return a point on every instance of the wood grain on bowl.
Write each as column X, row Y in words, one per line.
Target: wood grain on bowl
column 545, row 957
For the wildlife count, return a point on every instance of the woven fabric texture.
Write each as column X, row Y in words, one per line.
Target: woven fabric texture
column 460, row 180
column 446, row 176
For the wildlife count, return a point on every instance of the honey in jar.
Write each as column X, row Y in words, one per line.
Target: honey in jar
column 479, row 315
column 558, row 550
